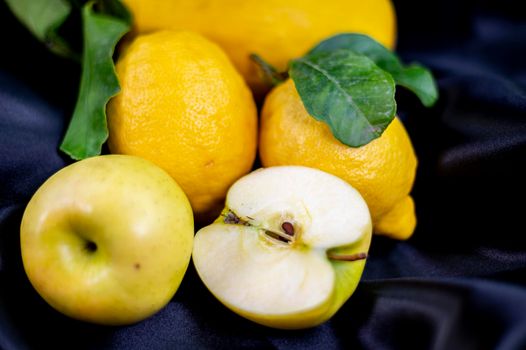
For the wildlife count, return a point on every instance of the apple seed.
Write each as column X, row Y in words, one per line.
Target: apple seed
column 288, row 228
column 287, row 237
column 278, row 236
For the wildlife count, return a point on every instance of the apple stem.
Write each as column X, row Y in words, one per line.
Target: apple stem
column 351, row 257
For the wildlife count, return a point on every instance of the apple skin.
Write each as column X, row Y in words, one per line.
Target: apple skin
column 108, row 239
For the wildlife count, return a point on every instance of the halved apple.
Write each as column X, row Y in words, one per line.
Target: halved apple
column 288, row 249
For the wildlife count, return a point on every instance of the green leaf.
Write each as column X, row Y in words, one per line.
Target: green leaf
column 414, row 77
column 348, row 91
column 114, row 8
column 88, row 129
column 43, row 18
column 420, row 81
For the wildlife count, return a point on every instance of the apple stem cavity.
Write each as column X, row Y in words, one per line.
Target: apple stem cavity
column 348, row 257
column 90, row 246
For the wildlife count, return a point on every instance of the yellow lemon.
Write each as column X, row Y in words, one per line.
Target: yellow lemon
column 184, row 107
column 383, row 170
column 277, row 30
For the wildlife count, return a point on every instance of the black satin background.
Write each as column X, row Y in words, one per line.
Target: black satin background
column 459, row 283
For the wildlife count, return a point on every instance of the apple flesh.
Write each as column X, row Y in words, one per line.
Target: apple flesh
column 289, row 248
column 107, row 239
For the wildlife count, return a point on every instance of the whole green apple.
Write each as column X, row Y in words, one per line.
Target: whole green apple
column 289, row 248
column 107, row 239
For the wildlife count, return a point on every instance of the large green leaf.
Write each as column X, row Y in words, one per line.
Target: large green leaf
column 413, row 77
column 43, row 18
column 348, row 91
column 88, row 129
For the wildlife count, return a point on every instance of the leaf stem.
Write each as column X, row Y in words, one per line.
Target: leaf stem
column 270, row 72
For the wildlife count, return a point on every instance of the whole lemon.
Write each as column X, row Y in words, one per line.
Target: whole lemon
column 184, row 107
column 277, row 30
column 383, row 170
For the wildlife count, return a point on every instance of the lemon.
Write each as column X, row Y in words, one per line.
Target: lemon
column 383, row 170
column 184, row 107
column 277, row 30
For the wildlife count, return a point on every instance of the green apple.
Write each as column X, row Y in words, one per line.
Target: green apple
column 289, row 249
column 107, row 239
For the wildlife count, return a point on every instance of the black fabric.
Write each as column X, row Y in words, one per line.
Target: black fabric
column 459, row 283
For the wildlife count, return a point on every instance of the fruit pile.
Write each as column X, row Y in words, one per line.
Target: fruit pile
column 179, row 112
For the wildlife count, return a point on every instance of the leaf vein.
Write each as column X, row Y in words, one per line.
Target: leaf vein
column 340, row 88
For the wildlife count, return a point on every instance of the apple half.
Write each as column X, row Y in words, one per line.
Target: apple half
column 288, row 249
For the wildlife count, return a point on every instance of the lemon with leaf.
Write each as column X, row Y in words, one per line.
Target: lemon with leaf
column 383, row 171
column 337, row 113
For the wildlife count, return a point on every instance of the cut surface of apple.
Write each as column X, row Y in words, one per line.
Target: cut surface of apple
column 288, row 249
